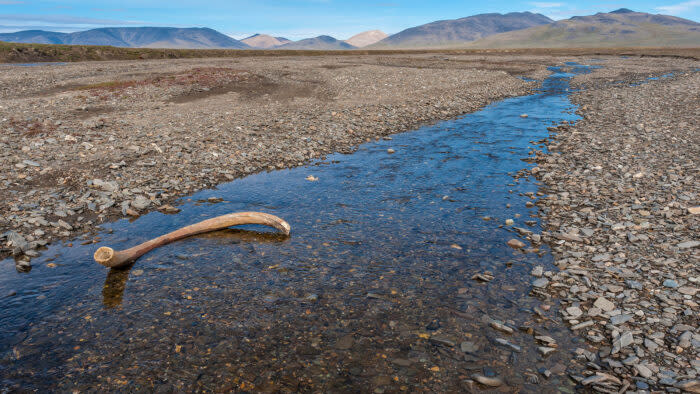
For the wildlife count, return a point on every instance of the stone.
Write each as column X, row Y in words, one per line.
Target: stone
column 622, row 341
column 670, row 283
column 486, row 381
column 604, row 304
column 544, row 350
column 344, row 342
column 516, row 244
column 501, row 327
column 64, row 225
column 31, row 163
column 537, row 271
column 688, row 244
column 574, row 311
column 620, row 319
column 694, row 210
column 106, row 186
column 643, row 370
column 17, row 243
column 540, row 282
column 468, row 347
column 691, row 386
column 140, row 203
column 582, row 325
column 687, row 290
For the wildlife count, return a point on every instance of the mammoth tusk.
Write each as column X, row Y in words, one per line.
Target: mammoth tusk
column 111, row 258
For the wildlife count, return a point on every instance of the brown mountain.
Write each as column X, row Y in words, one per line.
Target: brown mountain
column 614, row 29
column 366, row 38
column 456, row 32
column 264, row 41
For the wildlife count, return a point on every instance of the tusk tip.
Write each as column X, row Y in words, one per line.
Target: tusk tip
column 286, row 228
column 104, row 255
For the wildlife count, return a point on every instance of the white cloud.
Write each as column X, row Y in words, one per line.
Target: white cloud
column 540, row 4
column 680, row 8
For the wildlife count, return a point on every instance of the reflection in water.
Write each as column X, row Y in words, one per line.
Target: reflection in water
column 113, row 289
column 374, row 291
column 115, row 283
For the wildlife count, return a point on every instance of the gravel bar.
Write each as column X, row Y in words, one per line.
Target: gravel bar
column 623, row 216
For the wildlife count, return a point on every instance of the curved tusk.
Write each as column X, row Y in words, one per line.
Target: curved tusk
column 111, row 258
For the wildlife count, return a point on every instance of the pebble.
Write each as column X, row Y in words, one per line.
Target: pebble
column 469, row 347
column 574, row 311
column 537, row 271
column 603, row 304
column 540, row 282
column 516, row 244
column 501, row 327
column 491, row 382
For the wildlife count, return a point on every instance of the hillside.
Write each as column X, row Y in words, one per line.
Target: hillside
column 366, row 38
column 318, row 43
column 460, row 31
column 621, row 28
column 132, row 37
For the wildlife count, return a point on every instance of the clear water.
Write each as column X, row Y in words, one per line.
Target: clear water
column 32, row 64
column 368, row 292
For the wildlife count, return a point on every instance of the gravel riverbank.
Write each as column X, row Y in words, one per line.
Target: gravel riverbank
column 623, row 216
column 87, row 143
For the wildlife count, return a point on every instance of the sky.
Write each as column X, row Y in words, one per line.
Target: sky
column 296, row 19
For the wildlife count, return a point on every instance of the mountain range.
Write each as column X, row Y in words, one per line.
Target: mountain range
column 135, row 37
column 622, row 27
column 458, row 31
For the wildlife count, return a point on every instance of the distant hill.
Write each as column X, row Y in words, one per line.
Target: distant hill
column 134, row 37
column 318, row 43
column 459, row 31
column 264, row 41
column 619, row 28
column 366, row 38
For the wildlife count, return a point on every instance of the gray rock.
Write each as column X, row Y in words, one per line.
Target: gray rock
column 17, row 243
column 670, row 283
column 643, row 370
column 688, row 244
column 622, row 341
column 540, row 283
column 537, row 271
column 468, row 347
column 620, row 319
column 603, row 304
column 111, row 186
column 140, row 203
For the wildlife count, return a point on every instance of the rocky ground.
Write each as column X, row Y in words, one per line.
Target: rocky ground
column 623, row 211
column 87, row 143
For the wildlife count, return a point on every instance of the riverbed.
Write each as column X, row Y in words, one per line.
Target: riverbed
column 397, row 275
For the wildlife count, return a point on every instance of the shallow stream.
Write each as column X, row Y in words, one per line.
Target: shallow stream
column 373, row 291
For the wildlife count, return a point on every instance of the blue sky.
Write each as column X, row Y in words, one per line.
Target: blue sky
column 295, row 19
